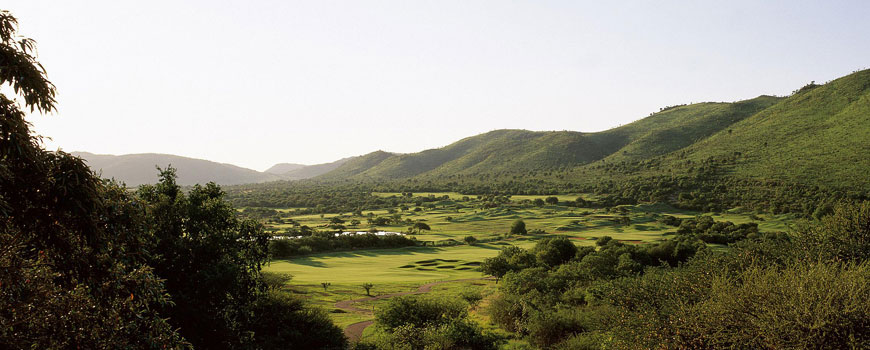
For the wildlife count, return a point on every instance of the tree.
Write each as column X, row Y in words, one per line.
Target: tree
column 325, row 285
column 552, row 200
column 211, row 260
column 539, row 202
column 470, row 240
column 555, row 251
column 368, row 287
column 418, row 227
column 281, row 321
column 508, row 259
column 72, row 267
column 518, row 228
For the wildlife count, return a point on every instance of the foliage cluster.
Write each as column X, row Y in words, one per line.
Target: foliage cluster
column 799, row 291
column 327, row 241
column 417, row 323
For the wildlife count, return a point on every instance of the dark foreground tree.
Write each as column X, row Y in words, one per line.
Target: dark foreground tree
column 211, row 261
column 71, row 270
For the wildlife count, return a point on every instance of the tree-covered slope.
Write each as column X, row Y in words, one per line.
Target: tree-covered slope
column 512, row 151
column 357, row 165
column 309, row 171
column 680, row 126
column 818, row 136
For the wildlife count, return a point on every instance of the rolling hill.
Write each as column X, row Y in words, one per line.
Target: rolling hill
column 282, row 168
column 138, row 169
column 512, row 151
column 819, row 136
column 309, row 171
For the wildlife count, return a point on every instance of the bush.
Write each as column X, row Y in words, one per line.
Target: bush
column 518, row 228
column 281, row 321
column 418, row 312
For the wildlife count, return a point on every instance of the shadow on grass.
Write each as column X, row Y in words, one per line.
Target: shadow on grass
column 315, row 260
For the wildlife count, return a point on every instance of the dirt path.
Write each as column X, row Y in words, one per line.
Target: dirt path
column 354, row 331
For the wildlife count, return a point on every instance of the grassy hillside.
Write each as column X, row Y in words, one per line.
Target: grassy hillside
column 137, row 169
column 358, row 165
column 819, row 136
column 512, row 151
column 679, row 127
column 785, row 154
column 495, row 151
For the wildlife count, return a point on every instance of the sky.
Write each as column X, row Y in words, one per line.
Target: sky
column 259, row 82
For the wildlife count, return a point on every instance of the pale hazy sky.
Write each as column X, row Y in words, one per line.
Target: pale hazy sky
column 255, row 83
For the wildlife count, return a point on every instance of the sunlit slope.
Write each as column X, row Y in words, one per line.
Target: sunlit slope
column 679, row 127
column 357, row 165
column 513, row 151
column 819, row 136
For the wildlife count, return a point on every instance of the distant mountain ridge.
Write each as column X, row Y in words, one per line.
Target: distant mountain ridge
column 138, row 169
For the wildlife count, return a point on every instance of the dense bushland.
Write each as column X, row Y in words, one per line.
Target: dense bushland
column 798, row 291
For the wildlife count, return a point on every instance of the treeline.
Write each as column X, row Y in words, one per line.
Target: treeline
column 328, row 241
column 806, row 290
column 709, row 231
column 694, row 185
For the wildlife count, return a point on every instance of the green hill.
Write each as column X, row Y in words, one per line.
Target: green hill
column 819, row 136
column 680, row 126
column 512, row 151
column 357, row 165
column 778, row 153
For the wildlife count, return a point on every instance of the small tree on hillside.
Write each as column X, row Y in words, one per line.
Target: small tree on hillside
column 518, row 228
column 368, row 288
column 552, row 200
column 470, row 240
column 325, row 285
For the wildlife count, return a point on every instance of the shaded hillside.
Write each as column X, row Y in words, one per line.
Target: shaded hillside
column 309, row 171
column 282, row 168
column 137, row 169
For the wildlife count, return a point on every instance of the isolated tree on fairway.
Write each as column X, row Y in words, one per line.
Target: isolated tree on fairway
column 470, row 240
column 552, row 200
column 368, row 288
column 419, row 227
column 518, row 228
